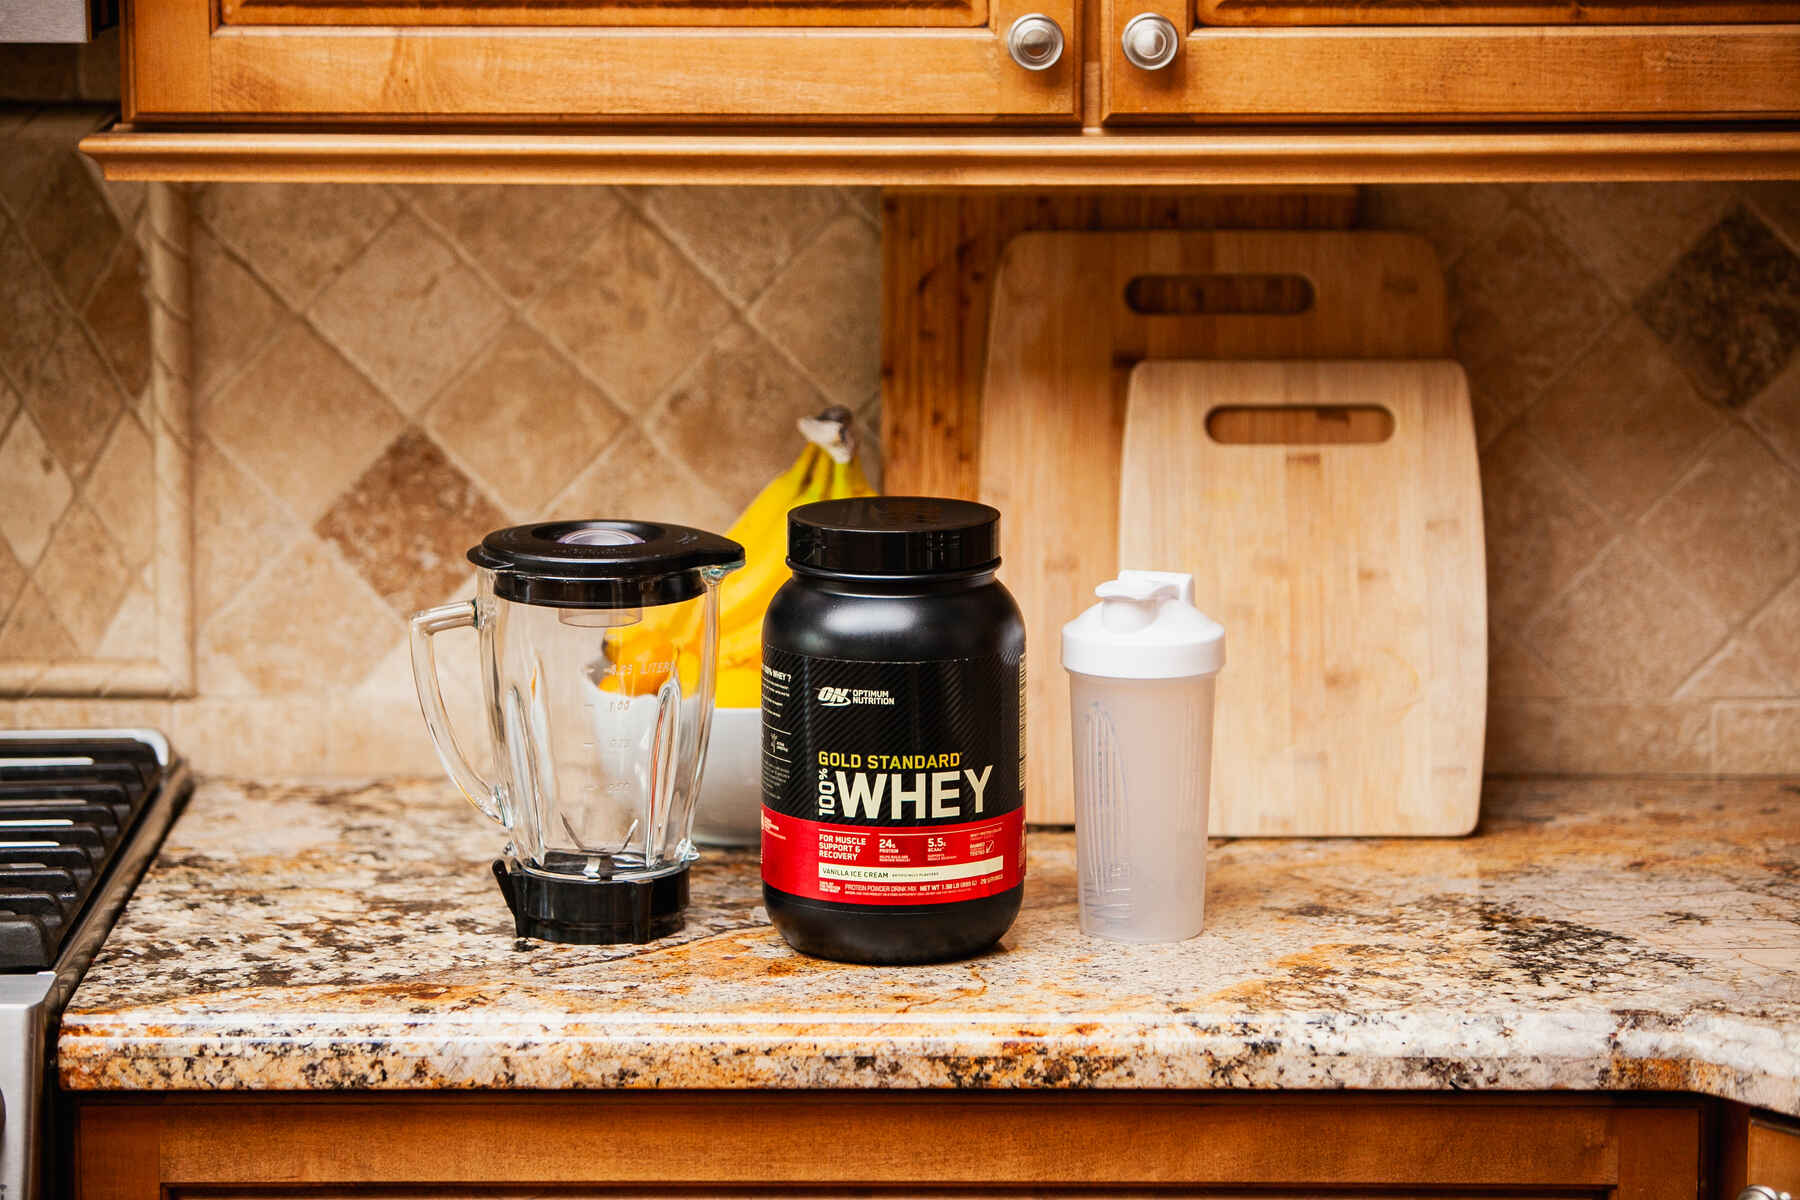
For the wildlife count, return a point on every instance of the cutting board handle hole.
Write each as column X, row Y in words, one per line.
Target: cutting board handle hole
column 1287, row 425
column 1219, row 295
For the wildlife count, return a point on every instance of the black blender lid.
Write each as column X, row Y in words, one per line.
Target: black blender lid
column 603, row 563
column 894, row 535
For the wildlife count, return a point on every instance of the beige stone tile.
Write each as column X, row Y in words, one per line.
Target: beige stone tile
column 632, row 478
column 37, row 489
column 32, row 631
column 523, row 420
column 1778, row 203
column 408, row 312
column 216, row 673
column 97, row 70
column 119, row 316
column 408, row 522
column 234, row 313
column 1758, row 738
column 132, row 632
column 295, row 235
column 55, row 713
column 1775, row 634
column 741, row 236
column 1735, row 672
column 1629, row 233
column 238, row 529
column 122, row 490
column 1451, row 217
column 12, row 578
column 633, row 312
column 1523, row 307
column 83, row 577
column 301, row 420
column 26, row 169
column 72, row 227
column 1625, row 630
column 1521, row 736
column 825, row 310
column 1624, row 419
column 1776, row 414
column 523, row 237
column 1514, row 673
column 307, row 624
column 1540, row 530
column 1731, row 528
column 74, row 398
column 865, row 201
column 731, row 420
column 258, row 738
column 29, row 311
column 381, row 732
column 1631, row 739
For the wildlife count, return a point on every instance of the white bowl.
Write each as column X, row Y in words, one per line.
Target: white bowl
column 730, row 809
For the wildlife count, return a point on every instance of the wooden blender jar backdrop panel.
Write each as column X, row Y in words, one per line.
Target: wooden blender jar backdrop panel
column 1071, row 313
column 196, row 61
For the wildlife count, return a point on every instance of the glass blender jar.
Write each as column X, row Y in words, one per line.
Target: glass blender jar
column 597, row 642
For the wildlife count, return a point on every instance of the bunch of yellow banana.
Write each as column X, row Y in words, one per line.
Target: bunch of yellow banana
column 641, row 655
column 826, row 470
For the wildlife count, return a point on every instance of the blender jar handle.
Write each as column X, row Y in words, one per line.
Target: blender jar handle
column 461, row 615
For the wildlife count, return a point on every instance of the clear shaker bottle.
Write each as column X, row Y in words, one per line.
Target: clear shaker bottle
column 1142, row 664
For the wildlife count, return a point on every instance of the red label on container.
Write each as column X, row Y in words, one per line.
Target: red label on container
column 879, row 864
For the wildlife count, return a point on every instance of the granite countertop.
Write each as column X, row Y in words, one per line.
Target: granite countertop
column 1620, row 934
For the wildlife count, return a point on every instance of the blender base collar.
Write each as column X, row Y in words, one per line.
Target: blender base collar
column 599, row 912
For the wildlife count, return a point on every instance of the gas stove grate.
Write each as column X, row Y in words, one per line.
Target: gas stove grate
column 66, row 806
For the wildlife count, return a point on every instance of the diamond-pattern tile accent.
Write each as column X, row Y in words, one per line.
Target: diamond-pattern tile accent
column 72, row 228
column 407, row 522
column 75, row 398
column 302, row 420
column 119, row 317
column 29, row 307
column 1541, row 532
column 1451, row 218
column 735, row 414
column 12, row 578
column 122, row 491
column 522, row 403
column 37, row 489
column 825, row 310
column 307, row 625
column 83, row 577
column 295, row 235
column 742, row 237
column 239, row 528
column 633, row 312
column 234, row 314
column 1777, row 414
column 523, row 237
column 633, row 468
column 1626, row 629
column 1775, row 634
column 1736, row 672
column 33, row 632
column 1523, row 307
column 1730, row 308
column 1731, row 528
column 1624, row 419
column 1630, row 233
column 408, row 312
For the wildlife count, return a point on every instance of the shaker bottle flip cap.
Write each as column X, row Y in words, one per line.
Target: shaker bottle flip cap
column 1145, row 627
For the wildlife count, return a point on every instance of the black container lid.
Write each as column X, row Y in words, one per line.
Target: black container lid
column 603, row 563
column 894, row 535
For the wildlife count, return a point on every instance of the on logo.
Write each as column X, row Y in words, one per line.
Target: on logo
column 834, row 697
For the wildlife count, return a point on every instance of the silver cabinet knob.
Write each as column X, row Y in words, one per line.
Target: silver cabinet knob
column 1035, row 42
column 1757, row 1191
column 1150, row 41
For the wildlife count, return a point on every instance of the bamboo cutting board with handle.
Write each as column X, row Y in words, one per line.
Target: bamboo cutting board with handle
column 1072, row 313
column 1330, row 513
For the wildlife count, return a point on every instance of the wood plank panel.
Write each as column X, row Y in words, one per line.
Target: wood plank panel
column 1267, row 13
column 580, row 13
column 916, row 1141
column 1472, row 72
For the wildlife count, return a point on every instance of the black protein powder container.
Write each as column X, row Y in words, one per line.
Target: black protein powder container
column 893, row 826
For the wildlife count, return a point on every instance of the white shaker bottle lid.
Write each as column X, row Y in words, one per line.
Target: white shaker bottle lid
column 1145, row 627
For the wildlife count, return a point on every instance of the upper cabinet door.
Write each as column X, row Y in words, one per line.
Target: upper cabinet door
column 1456, row 60
column 599, row 60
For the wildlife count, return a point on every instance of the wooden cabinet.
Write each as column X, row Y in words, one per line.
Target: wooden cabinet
column 1430, row 1147
column 465, row 61
column 1270, row 61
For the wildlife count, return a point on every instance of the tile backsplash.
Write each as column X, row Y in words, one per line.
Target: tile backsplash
column 382, row 373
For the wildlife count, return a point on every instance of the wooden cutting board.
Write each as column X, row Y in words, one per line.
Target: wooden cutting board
column 1349, row 575
column 1072, row 313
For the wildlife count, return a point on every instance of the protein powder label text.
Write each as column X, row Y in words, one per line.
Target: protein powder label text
column 892, row 783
